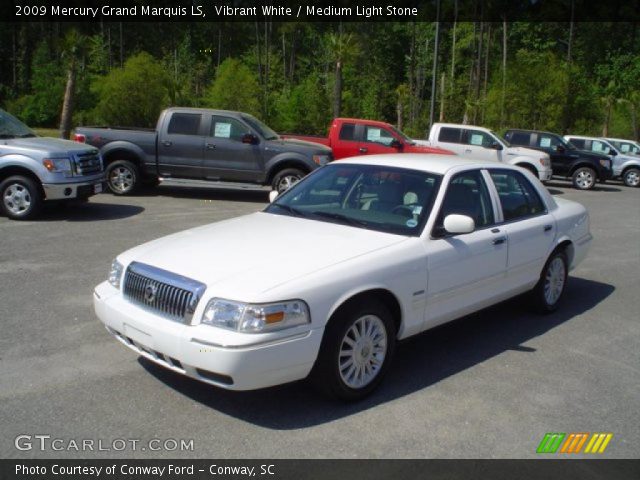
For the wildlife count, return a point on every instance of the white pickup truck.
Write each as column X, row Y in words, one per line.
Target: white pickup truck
column 482, row 144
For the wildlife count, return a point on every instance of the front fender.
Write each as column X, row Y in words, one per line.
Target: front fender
column 28, row 163
column 291, row 159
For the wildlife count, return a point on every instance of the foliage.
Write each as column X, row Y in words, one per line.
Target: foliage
column 234, row 88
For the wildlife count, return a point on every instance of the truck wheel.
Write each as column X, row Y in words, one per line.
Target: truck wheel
column 286, row 178
column 545, row 296
column 631, row 177
column 356, row 351
column 122, row 177
column 21, row 198
column 531, row 168
column 584, row 178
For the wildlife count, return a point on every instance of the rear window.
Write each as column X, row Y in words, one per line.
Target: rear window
column 184, row 124
column 450, row 135
column 519, row 138
column 577, row 142
column 348, row 131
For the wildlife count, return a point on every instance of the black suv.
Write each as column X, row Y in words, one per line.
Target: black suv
column 583, row 167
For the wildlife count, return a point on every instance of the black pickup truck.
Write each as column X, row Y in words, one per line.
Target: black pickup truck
column 202, row 144
column 584, row 168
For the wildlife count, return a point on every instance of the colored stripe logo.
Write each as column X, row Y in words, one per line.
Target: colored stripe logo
column 573, row 442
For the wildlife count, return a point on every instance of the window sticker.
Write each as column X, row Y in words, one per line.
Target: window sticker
column 476, row 139
column 411, row 223
column 417, row 210
column 223, row 130
column 624, row 147
column 545, row 142
column 373, row 134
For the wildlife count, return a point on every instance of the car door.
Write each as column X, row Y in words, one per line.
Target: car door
column 348, row 141
column 560, row 158
column 465, row 272
column 451, row 139
column 377, row 140
column 529, row 228
column 226, row 157
column 477, row 145
column 181, row 146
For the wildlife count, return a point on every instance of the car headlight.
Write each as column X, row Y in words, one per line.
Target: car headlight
column 545, row 161
column 58, row 165
column 115, row 274
column 605, row 163
column 321, row 159
column 255, row 318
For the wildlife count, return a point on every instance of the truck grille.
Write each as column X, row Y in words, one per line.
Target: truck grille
column 88, row 163
column 173, row 296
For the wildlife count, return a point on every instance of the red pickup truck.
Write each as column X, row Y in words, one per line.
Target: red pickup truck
column 350, row 137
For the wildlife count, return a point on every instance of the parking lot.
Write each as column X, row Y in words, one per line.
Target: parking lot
column 487, row 386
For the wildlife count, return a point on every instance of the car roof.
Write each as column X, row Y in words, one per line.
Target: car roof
column 460, row 125
column 532, row 131
column 620, row 139
column 432, row 163
column 206, row 110
column 362, row 120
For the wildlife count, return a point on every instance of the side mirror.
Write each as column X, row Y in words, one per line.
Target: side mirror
column 612, row 152
column 273, row 194
column 249, row 138
column 458, row 224
column 495, row 146
column 395, row 143
column 560, row 149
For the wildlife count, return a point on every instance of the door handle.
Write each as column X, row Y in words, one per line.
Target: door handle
column 499, row 240
column 167, row 143
column 548, row 228
column 363, row 150
column 211, row 146
column 467, row 151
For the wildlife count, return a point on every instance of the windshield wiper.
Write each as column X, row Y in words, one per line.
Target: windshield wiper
column 343, row 218
column 289, row 209
column 6, row 135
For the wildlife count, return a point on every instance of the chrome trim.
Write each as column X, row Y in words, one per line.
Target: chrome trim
column 176, row 297
column 264, row 343
column 55, row 191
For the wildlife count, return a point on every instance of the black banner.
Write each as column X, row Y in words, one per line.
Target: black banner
column 542, row 469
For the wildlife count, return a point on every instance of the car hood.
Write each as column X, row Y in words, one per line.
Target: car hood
column 422, row 148
column 300, row 145
column 49, row 145
column 525, row 152
column 245, row 256
column 588, row 154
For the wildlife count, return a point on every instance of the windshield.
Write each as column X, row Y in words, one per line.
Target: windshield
column 386, row 199
column 11, row 127
column 500, row 139
column 402, row 135
column 264, row 131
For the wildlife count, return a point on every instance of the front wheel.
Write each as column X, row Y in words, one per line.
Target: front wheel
column 584, row 178
column 21, row 198
column 284, row 179
column 547, row 293
column 631, row 177
column 356, row 351
column 122, row 177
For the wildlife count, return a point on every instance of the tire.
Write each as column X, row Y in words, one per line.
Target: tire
column 336, row 372
column 548, row 292
column 20, row 198
column 123, row 177
column 631, row 177
column 286, row 178
column 584, row 178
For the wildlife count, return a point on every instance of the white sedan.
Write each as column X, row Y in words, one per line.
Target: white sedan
column 358, row 255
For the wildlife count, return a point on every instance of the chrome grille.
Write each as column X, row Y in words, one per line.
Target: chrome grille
column 88, row 163
column 174, row 296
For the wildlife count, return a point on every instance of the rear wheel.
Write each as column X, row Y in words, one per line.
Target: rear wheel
column 284, row 179
column 631, row 177
column 546, row 295
column 584, row 178
column 21, row 198
column 356, row 351
column 122, row 177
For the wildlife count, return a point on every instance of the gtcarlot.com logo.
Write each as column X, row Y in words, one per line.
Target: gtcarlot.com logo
column 574, row 442
column 45, row 442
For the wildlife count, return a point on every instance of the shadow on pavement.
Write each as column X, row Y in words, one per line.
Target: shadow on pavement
column 598, row 187
column 419, row 363
column 208, row 193
column 88, row 212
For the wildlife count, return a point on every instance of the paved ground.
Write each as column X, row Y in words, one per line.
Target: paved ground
column 489, row 385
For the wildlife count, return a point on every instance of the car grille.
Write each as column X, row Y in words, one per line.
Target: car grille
column 88, row 163
column 173, row 296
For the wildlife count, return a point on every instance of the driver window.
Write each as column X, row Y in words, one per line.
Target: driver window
column 548, row 141
column 227, row 128
column 478, row 138
column 467, row 194
column 378, row 135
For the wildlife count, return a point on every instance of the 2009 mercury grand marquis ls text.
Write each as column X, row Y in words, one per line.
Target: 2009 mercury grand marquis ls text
column 324, row 281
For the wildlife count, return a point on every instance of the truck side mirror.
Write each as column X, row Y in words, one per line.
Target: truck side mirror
column 250, row 139
column 612, row 152
column 395, row 143
column 560, row 149
column 495, row 146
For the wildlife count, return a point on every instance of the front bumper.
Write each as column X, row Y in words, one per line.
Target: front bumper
column 200, row 351
column 62, row 191
column 545, row 175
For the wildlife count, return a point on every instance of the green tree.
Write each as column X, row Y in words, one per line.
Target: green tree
column 234, row 88
column 133, row 95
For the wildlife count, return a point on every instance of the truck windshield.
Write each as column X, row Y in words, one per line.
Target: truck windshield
column 11, row 127
column 262, row 129
column 387, row 199
column 500, row 139
column 402, row 135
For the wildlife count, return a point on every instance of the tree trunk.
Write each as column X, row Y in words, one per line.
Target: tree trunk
column 607, row 119
column 504, row 69
column 399, row 113
column 634, row 123
column 442, row 97
column 67, row 104
column 337, row 91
